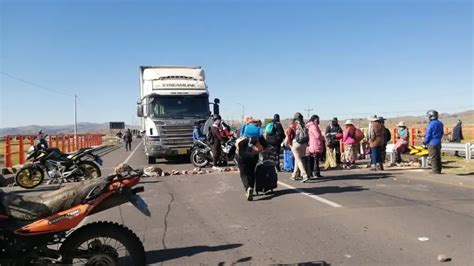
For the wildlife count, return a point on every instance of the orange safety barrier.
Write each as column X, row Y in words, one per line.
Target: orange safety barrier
column 15, row 144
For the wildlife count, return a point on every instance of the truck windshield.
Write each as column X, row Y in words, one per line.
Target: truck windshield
column 178, row 106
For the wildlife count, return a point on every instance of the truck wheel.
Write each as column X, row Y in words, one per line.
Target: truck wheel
column 151, row 160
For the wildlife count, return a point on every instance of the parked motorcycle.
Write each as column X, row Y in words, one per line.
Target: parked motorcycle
column 41, row 230
column 59, row 167
column 201, row 152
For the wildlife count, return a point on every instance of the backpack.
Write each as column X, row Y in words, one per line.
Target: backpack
column 270, row 129
column 302, row 136
column 252, row 131
column 359, row 135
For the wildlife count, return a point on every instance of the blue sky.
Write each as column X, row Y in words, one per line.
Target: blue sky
column 340, row 58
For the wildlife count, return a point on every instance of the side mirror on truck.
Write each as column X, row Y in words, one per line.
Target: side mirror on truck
column 140, row 110
column 216, row 106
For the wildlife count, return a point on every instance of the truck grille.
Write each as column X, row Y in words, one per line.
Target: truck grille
column 176, row 136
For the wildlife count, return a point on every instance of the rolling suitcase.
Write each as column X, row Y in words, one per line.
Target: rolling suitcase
column 288, row 161
column 266, row 178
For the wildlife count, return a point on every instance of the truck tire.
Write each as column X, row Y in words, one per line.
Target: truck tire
column 151, row 160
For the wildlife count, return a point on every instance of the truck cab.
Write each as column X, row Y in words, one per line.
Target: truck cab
column 172, row 99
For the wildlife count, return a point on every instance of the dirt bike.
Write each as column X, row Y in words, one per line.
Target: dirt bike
column 32, row 227
column 201, row 152
column 59, row 167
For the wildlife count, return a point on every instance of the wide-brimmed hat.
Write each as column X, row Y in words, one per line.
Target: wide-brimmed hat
column 348, row 122
column 401, row 124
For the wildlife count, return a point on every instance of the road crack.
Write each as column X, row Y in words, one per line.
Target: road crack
column 165, row 221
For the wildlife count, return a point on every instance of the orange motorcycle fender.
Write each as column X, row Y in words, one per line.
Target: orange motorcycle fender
column 59, row 222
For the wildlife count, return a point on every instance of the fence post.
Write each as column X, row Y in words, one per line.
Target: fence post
column 394, row 135
column 21, row 150
column 8, row 152
column 468, row 151
column 413, row 136
column 57, row 141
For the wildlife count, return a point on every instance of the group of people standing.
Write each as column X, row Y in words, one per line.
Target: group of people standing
column 310, row 146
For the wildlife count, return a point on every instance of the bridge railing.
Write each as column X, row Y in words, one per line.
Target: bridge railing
column 14, row 147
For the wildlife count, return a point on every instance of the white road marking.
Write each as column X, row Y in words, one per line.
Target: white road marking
column 323, row 200
column 133, row 152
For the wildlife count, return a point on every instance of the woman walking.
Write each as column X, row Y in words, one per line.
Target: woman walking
column 298, row 140
column 316, row 145
column 350, row 145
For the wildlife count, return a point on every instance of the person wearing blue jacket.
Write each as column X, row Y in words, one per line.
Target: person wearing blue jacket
column 433, row 136
column 197, row 132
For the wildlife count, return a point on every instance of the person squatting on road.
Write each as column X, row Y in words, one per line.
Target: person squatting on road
column 333, row 135
column 249, row 145
column 432, row 139
column 128, row 140
column 376, row 141
column 297, row 140
column 316, row 145
column 457, row 136
column 351, row 145
column 216, row 141
column 275, row 135
column 401, row 146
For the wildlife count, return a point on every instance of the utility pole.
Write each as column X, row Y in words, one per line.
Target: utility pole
column 308, row 111
column 75, row 119
column 243, row 112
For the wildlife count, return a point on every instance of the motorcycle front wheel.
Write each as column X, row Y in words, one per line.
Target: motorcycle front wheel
column 29, row 177
column 90, row 170
column 199, row 158
column 103, row 243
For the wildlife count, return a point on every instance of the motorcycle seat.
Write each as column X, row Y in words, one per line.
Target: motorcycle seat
column 29, row 208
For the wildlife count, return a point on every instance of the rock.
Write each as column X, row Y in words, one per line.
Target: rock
column 443, row 258
column 201, row 172
column 153, row 171
column 197, row 169
column 166, row 173
column 175, row 172
column 209, row 172
column 184, row 172
column 122, row 168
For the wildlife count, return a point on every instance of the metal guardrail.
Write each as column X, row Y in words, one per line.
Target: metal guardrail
column 459, row 147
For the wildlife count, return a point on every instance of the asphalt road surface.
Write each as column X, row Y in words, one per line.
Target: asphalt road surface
column 349, row 217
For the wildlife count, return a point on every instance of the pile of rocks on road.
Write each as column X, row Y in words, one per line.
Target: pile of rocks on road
column 154, row 171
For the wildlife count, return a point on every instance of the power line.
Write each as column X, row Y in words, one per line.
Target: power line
column 35, row 85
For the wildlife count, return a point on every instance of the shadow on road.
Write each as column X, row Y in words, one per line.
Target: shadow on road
column 367, row 176
column 315, row 191
column 157, row 256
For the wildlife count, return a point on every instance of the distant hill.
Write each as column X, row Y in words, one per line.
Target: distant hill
column 64, row 129
column 449, row 120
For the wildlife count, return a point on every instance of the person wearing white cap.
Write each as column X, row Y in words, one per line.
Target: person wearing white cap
column 401, row 146
column 350, row 144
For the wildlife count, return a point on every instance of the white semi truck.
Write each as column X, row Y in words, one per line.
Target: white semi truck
column 172, row 99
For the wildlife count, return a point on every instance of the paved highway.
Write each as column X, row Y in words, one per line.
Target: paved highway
column 349, row 217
